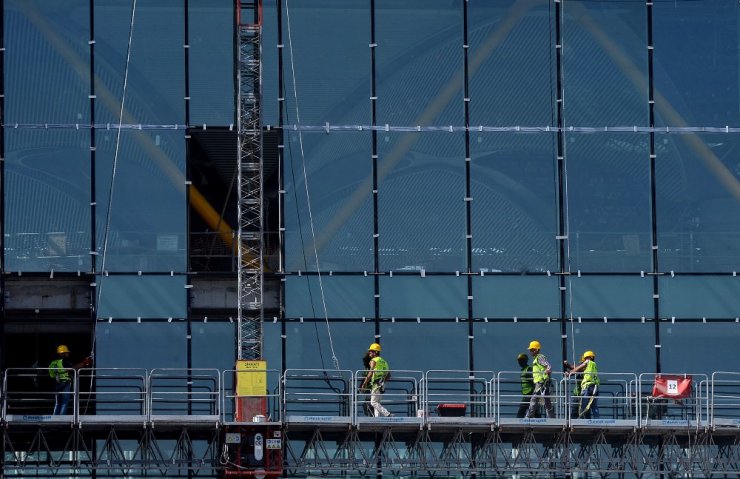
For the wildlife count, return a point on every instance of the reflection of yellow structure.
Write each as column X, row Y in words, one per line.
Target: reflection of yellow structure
column 199, row 203
column 251, row 378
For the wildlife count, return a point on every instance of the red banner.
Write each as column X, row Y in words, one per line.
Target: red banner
column 674, row 387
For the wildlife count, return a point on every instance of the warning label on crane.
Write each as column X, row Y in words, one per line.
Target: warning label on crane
column 251, row 378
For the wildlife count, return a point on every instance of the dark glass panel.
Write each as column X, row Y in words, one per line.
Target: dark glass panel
column 134, row 296
column 344, row 296
column 516, row 296
column 424, row 346
column 423, row 297
column 613, row 297
column 698, row 297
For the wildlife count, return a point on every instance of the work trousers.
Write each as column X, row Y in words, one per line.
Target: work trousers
column 589, row 407
column 541, row 392
column 376, row 392
column 61, row 398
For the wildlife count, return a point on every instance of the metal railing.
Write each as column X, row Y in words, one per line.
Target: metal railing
column 314, row 395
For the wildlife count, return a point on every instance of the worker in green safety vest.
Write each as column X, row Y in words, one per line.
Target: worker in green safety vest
column 542, row 385
column 527, row 384
column 588, row 406
column 60, row 371
column 375, row 380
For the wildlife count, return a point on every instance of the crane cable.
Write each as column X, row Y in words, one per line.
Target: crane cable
column 305, row 183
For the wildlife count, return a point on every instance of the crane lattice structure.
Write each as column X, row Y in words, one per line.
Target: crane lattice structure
column 250, row 233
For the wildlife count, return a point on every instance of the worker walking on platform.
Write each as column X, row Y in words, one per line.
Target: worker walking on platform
column 527, row 383
column 59, row 370
column 589, row 406
column 375, row 380
column 542, row 385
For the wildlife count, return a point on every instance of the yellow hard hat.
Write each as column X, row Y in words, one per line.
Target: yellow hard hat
column 374, row 347
column 62, row 349
column 588, row 354
column 535, row 345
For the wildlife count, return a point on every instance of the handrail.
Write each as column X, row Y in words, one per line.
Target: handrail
column 141, row 394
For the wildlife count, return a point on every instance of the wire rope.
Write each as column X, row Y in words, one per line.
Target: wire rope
column 305, row 183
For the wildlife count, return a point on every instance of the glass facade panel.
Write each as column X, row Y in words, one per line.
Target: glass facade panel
column 344, row 296
column 697, row 202
column 419, row 62
column 340, row 211
column 214, row 344
column 444, row 345
column 270, row 69
column 142, row 226
column 421, row 202
column 511, row 68
column 156, row 344
column 514, row 214
column 155, row 71
column 497, row 344
column 211, row 62
column 331, row 69
column 697, row 348
column 697, row 297
column 696, row 63
column 507, row 297
column 619, row 347
column 609, row 202
column 611, row 297
column 46, row 61
column 47, row 206
column 309, row 346
column 134, row 296
column 423, row 297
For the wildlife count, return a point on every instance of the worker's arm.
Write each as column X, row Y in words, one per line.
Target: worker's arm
column 85, row 362
column 369, row 376
column 578, row 368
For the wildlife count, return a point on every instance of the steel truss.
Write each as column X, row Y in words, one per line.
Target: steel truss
column 110, row 451
column 539, row 452
column 182, row 451
column 250, row 235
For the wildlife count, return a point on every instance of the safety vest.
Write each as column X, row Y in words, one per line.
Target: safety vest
column 380, row 371
column 590, row 374
column 58, row 372
column 538, row 371
column 526, row 380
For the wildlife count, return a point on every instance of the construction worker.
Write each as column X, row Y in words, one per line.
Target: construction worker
column 589, row 406
column 59, row 370
column 542, row 385
column 375, row 380
column 527, row 383
column 366, row 407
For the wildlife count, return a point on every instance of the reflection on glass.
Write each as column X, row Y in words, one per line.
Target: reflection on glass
column 135, row 296
column 142, row 227
column 47, row 200
column 514, row 204
column 339, row 216
column 421, row 202
column 344, row 296
column 423, row 297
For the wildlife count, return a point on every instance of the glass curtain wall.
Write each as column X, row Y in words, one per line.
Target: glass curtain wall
column 462, row 177
column 84, row 198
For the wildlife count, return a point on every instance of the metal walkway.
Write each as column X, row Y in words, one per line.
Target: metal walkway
column 172, row 423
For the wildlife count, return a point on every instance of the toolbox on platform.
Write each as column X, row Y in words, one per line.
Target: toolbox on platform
column 451, row 410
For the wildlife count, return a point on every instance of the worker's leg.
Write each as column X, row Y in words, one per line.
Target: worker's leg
column 523, row 406
column 548, row 403
column 535, row 400
column 375, row 396
column 589, row 402
column 61, row 398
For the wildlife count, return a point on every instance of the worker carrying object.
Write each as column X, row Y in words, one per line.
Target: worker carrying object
column 542, row 384
column 59, row 370
column 589, row 406
column 375, row 380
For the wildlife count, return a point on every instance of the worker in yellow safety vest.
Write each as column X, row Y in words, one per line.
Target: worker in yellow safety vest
column 542, row 385
column 59, row 370
column 375, row 380
column 589, row 406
